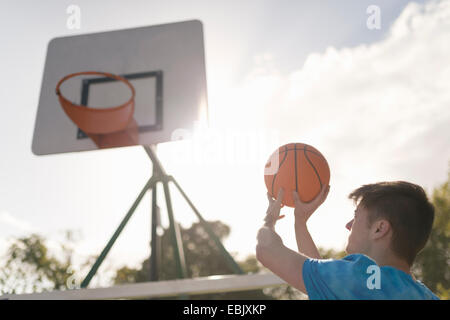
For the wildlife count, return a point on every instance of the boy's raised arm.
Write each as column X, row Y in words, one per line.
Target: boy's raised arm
column 302, row 212
column 273, row 254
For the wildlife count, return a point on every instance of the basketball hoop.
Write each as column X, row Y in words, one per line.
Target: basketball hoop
column 107, row 127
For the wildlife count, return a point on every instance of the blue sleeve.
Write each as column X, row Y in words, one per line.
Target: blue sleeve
column 351, row 278
column 336, row 279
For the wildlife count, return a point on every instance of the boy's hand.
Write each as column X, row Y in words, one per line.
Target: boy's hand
column 304, row 210
column 273, row 211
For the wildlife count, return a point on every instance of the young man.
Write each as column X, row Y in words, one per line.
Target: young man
column 391, row 225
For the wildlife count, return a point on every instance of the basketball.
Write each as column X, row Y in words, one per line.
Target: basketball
column 299, row 167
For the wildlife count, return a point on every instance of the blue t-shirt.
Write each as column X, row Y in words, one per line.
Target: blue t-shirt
column 357, row 277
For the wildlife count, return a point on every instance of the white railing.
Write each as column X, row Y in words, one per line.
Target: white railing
column 213, row 284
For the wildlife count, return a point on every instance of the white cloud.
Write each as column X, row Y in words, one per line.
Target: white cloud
column 367, row 103
column 377, row 112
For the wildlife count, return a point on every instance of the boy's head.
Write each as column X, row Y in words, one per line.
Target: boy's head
column 396, row 216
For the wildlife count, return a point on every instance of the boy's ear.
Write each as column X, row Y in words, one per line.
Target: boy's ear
column 380, row 228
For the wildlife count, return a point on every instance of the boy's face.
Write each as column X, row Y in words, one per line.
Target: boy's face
column 358, row 240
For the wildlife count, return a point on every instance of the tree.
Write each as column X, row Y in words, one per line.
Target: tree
column 432, row 263
column 30, row 268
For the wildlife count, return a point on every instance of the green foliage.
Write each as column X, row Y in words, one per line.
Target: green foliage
column 30, row 268
column 432, row 263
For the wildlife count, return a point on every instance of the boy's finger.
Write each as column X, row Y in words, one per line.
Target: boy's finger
column 281, row 217
column 295, row 196
column 280, row 196
column 324, row 193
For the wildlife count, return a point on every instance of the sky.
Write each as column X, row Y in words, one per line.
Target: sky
column 373, row 101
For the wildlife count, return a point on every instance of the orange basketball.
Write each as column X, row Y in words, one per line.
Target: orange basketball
column 296, row 166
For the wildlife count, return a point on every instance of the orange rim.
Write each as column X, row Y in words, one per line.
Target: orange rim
column 98, row 121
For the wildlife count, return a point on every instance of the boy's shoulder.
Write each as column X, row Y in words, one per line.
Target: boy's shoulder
column 354, row 262
column 359, row 258
column 354, row 257
column 348, row 278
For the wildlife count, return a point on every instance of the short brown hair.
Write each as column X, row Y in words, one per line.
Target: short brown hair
column 405, row 205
